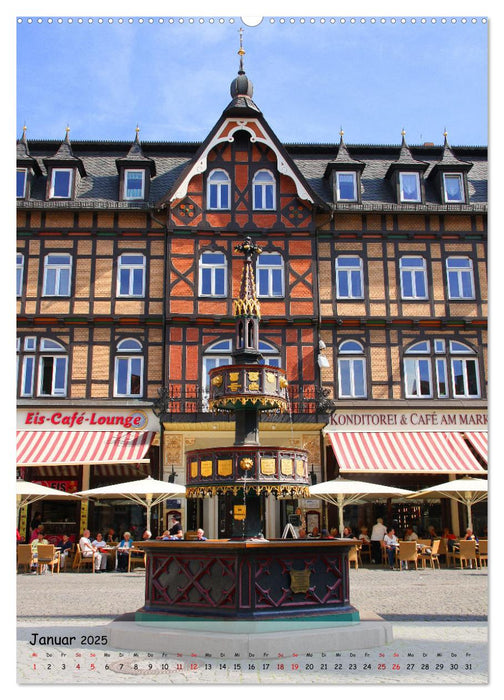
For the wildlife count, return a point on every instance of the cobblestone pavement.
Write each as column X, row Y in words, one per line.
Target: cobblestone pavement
column 439, row 624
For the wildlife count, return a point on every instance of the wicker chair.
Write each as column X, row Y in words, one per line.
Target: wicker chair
column 408, row 552
column 47, row 555
column 353, row 556
column 431, row 555
column 466, row 553
column 25, row 557
column 482, row 552
column 137, row 557
column 79, row 560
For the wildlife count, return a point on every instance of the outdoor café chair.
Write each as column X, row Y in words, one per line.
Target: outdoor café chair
column 353, row 556
column 47, row 555
column 79, row 560
column 25, row 556
column 482, row 552
column 137, row 557
column 431, row 555
column 465, row 553
column 408, row 552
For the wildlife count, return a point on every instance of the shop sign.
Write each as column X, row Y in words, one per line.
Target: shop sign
column 66, row 486
column 85, row 420
column 408, row 420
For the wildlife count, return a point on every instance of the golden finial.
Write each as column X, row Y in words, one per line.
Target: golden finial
column 403, row 132
column 341, row 132
column 137, row 129
column 241, row 50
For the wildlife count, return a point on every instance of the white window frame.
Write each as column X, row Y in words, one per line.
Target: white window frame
column 128, row 350
column 457, row 273
column 460, row 178
column 271, row 354
column 216, row 355
column 338, row 187
column 347, row 271
column 130, row 267
column 351, row 355
column 413, row 272
column 57, row 268
column 19, row 273
column 219, row 184
column 263, row 187
column 135, row 171
column 25, row 182
column 271, row 269
column 210, row 269
column 54, row 173
column 47, row 345
column 464, row 361
column 402, row 195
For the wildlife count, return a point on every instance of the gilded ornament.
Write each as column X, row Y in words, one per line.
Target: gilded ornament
column 270, row 377
column 253, row 386
column 217, row 381
column 246, row 463
column 283, row 383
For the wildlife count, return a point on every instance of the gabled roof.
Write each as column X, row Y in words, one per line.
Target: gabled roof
column 23, row 157
column 136, row 157
column 64, row 156
column 406, row 160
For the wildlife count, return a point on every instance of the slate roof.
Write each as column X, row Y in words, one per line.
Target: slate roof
column 100, row 187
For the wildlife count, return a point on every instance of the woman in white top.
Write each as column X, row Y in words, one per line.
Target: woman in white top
column 391, row 544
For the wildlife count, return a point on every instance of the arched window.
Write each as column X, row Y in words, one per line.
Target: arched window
column 216, row 355
column 263, row 187
column 218, row 190
column 431, row 368
column 270, row 275
column 129, row 366
column 351, row 370
column 270, row 354
column 43, row 365
column 212, row 274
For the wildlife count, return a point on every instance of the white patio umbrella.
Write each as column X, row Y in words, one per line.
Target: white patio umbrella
column 344, row 492
column 466, row 490
column 147, row 492
column 28, row 493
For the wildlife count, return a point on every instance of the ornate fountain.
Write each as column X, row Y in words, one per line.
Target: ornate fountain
column 246, row 578
column 248, row 387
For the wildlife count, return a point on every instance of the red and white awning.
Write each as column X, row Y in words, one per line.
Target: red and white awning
column 39, row 448
column 479, row 441
column 432, row 453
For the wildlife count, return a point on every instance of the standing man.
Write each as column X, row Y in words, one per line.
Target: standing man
column 87, row 549
column 377, row 534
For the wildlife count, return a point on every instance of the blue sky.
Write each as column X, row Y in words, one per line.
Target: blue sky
column 310, row 78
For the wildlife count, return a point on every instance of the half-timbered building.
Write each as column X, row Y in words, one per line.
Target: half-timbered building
column 373, row 292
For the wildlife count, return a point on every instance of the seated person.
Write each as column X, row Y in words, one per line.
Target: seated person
column 40, row 539
column 469, row 535
column 364, row 537
column 99, row 542
column 314, row 534
column 334, row 532
column 176, row 531
column 410, row 535
column 65, row 549
column 147, row 535
column 123, row 552
column 88, row 550
column 347, row 534
column 391, row 544
column 431, row 532
column 325, row 535
column 200, row 534
column 111, row 536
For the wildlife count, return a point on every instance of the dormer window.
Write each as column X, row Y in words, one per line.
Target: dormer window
column 453, row 187
column 346, row 187
column 21, row 180
column 61, row 183
column 134, row 184
column 409, row 187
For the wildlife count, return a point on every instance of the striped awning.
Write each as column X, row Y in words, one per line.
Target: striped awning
column 429, row 453
column 480, row 443
column 39, row 448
